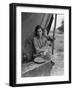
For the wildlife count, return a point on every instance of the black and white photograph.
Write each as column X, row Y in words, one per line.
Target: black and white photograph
column 42, row 44
column 42, row 54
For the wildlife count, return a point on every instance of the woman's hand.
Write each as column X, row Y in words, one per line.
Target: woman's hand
column 43, row 53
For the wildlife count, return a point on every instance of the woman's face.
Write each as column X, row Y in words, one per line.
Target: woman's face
column 40, row 32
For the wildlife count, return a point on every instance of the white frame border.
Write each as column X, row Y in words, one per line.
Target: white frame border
column 65, row 77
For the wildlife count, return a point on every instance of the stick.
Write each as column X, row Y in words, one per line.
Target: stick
column 54, row 33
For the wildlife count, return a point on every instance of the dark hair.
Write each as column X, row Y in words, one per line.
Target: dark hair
column 36, row 30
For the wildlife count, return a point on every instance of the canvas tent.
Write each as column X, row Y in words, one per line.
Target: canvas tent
column 29, row 22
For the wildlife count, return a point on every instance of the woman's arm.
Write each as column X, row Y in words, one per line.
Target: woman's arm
column 37, row 47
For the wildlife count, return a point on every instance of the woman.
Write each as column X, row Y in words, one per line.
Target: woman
column 41, row 43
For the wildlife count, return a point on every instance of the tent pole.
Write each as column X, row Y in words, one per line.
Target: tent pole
column 54, row 33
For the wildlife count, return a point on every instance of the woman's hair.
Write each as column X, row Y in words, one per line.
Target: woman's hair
column 36, row 30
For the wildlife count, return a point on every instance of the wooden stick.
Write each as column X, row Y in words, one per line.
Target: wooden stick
column 54, row 33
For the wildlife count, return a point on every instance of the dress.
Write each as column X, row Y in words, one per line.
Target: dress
column 42, row 46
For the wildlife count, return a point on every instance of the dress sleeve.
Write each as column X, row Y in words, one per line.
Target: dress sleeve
column 36, row 44
column 37, row 47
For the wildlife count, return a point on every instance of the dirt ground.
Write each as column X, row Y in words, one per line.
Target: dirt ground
column 58, row 68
